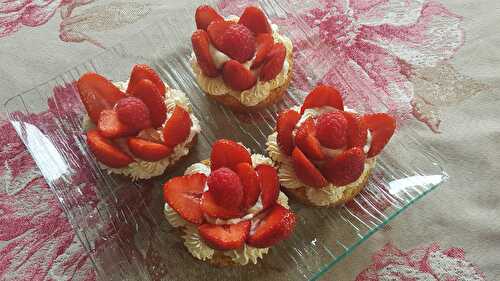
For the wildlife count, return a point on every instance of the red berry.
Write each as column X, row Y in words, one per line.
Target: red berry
column 238, row 43
column 225, row 237
column 305, row 139
column 346, row 167
column 226, row 188
column 273, row 62
column 215, row 31
column 143, row 71
column 356, row 130
column 210, row 208
column 237, row 77
column 110, row 126
column 331, row 129
column 382, row 127
column 200, row 42
column 276, row 226
column 133, row 112
column 306, row 171
column 178, row 127
column 287, row 120
column 264, row 43
column 106, row 152
column 97, row 94
column 204, row 15
column 323, row 95
column 227, row 153
column 269, row 185
column 255, row 20
column 146, row 91
column 251, row 185
column 148, row 150
column 183, row 194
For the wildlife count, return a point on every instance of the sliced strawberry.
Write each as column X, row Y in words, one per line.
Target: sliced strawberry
column 323, row 95
column 264, row 43
column 356, row 130
column 306, row 171
column 148, row 93
column 215, row 31
column 305, row 139
column 273, row 62
column 225, row 237
column 287, row 120
column 251, row 185
column 276, row 226
column 178, row 127
column 134, row 113
column 346, row 167
column 212, row 209
column 226, row 188
column 237, row 77
column 97, row 94
column 269, row 184
column 148, row 150
column 381, row 126
column 331, row 129
column 255, row 20
column 144, row 71
column 106, row 152
column 110, row 126
column 184, row 194
column 204, row 15
column 238, row 43
column 200, row 42
column 227, row 153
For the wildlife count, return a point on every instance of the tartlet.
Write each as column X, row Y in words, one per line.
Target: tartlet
column 229, row 208
column 137, row 128
column 325, row 152
column 242, row 62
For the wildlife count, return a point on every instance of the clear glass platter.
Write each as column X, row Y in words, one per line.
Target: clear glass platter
column 121, row 223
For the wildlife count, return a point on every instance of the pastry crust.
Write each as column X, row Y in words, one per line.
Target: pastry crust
column 274, row 96
column 299, row 194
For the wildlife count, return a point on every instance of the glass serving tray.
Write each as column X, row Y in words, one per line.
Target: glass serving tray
column 121, row 223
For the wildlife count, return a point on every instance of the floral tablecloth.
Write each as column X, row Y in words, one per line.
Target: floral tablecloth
column 436, row 61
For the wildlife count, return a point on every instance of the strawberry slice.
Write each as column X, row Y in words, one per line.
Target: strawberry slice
column 184, row 194
column 276, row 226
column 178, row 127
column 148, row 150
column 255, row 20
column 204, row 15
column 264, row 43
column 251, row 185
column 285, row 126
column 146, row 91
column 215, row 31
column 331, row 129
column 111, row 127
column 97, row 94
column 273, row 62
column 226, row 188
column 346, row 167
column 306, row 171
column 210, row 207
column 306, row 140
column 323, row 95
column 225, row 237
column 381, row 126
column 238, row 42
column 106, row 152
column 227, row 153
column 144, row 71
column 237, row 77
column 269, row 185
column 200, row 42
column 356, row 130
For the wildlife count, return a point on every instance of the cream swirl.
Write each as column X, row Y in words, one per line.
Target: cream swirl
column 246, row 254
column 195, row 245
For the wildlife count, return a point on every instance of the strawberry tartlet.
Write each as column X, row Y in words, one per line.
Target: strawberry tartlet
column 325, row 151
column 241, row 62
column 137, row 128
column 230, row 207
